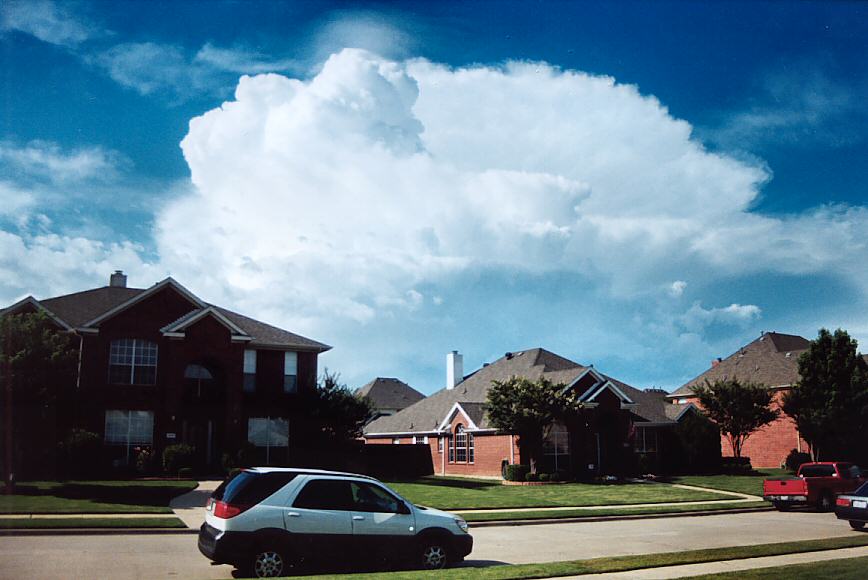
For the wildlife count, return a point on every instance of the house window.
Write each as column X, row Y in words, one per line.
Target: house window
column 556, row 446
column 249, row 371
column 460, row 445
column 440, row 444
column 132, row 361
column 290, row 372
column 268, row 432
column 129, row 428
column 470, row 448
column 646, row 440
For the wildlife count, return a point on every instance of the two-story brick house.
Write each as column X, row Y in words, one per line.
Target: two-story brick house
column 159, row 366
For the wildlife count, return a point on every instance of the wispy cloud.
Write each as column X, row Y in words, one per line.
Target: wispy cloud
column 241, row 60
column 46, row 20
column 46, row 160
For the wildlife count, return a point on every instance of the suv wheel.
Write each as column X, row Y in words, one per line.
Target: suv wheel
column 856, row 525
column 269, row 563
column 434, row 554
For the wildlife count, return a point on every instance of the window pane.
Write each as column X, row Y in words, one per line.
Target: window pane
column 278, row 433
column 249, row 361
column 325, row 494
column 257, row 432
column 371, row 498
column 249, row 382
column 141, row 427
column 290, row 363
column 290, row 384
column 120, row 374
column 116, row 423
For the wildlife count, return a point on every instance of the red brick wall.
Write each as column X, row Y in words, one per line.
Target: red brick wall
column 770, row 445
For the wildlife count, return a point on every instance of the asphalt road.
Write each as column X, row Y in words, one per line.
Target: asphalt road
column 176, row 556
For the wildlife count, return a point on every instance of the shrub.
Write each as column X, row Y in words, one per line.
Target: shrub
column 531, row 477
column 516, row 472
column 80, row 452
column 177, row 456
column 545, row 477
column 795, row 459
column 144, row 460
column 557, row 476
column 736, row 465
column 185, row 473
column 645, row 464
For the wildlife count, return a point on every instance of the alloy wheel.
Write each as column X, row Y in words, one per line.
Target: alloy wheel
column 268, row 564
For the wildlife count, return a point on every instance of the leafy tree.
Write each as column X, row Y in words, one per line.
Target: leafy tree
column 37, row 372
column 528, row 408
column 830, row 401
column 738, row 409
column 337, row 415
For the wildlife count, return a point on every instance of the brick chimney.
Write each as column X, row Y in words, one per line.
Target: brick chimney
column 118, row 279
column 454, row 369
column 716, row 362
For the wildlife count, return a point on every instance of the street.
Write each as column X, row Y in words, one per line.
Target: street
column 120, row 556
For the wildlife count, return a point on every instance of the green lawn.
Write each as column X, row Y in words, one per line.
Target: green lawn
column 535, row 515
column 93, row 497
column 752, row 484
column 626, row 563
column 844, row 569
column 104, row 522
column 462, row 493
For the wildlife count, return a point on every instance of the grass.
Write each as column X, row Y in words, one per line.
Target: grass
column 626, row 563
column 93, row 497
column 533, row 515
column 843, row 569
column 461, row 493
column 751, row 484
column 85, row 522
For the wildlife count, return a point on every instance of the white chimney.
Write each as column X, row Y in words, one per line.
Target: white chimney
column 118, row 279
column 454, row 369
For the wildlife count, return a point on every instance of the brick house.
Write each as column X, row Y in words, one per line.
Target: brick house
column 619, row 423
column 389, row 395
column 160, row 366
column 770, row 360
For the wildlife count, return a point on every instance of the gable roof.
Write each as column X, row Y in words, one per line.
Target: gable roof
column 771, row 360
column 81, row 310
column 389, row 393
column 36, row 305
column 427, row 415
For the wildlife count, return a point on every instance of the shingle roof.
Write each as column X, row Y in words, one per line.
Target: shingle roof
column 390, row 393
column 472, row 393
column 80, row 308
column 771, row 360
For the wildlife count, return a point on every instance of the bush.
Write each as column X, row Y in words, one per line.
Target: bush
column 545, row 477
column 645, row 464
column 531, row 477
column 177, row 456
column 516, row 472
column 80, row 453
column 185, row 473
column 558, row 476
column 144, row 460
column 736, row 465
column 795, row 459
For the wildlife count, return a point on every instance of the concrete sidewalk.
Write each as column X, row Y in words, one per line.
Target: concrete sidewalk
column 190, row 507
column 688, row 570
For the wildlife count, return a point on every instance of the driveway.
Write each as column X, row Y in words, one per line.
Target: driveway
column 120, row 556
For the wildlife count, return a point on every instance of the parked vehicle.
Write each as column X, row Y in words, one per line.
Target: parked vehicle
column 853, row 507
column 270, row 521
column 815, row 484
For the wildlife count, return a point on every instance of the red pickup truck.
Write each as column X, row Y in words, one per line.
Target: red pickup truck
column 815, row 484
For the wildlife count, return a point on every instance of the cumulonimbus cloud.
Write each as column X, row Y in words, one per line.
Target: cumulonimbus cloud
column 340, row 195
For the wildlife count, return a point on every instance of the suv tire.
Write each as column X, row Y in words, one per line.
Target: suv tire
column 857, row 525
column 270, row 562
column 434, row 554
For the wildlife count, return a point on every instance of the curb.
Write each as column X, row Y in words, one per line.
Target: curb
column 96, row 531
column 615, row 518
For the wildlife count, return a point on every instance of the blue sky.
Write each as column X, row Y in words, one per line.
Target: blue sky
column 641, row 186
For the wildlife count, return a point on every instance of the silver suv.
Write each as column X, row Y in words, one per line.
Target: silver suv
column 271, row 521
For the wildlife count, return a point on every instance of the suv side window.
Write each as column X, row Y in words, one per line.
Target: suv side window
column 372, row 498
column 325, row 494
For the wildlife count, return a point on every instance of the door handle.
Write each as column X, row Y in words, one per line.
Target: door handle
column 293, row 514
column 358, row 518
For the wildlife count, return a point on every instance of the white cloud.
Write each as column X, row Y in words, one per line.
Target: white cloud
column 242, row 61
column 46, row 20
column 16, row 202
column 49, row 160
column 349, row 191
column 676, row 289
column 697, row 318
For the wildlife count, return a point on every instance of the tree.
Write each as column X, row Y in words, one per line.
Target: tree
column 830, row 401
column 37, row 370
column 338, row 416
column 528, row 408
column 738, row 409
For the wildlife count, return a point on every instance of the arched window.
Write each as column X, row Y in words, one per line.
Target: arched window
column 460, row 444
column 132, row 361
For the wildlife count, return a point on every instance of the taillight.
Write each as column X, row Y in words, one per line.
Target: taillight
column 228, row 510
column 842, row 501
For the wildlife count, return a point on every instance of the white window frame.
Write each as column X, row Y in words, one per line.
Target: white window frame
column 440, row 444
column 121, row 416
column 136, row 348
column 290, row 369
column 249, row 370
column 557, row 445
column 641, row 444
column 461, row 437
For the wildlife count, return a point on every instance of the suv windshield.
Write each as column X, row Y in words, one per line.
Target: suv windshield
column 250, row 487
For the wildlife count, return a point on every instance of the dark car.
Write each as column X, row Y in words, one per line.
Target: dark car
column 853, row 507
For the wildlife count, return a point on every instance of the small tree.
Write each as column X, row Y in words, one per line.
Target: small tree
column 830, row 401
column 738, row 409
column 528, row 408
column 337, row 414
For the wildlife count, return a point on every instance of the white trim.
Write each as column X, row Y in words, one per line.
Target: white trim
column 210, row 310
column 436, row 433
column 686, row 408
column 591, row 370
column 34, row 302
column 147, row 294
column 618, row 392
column 451, row 414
